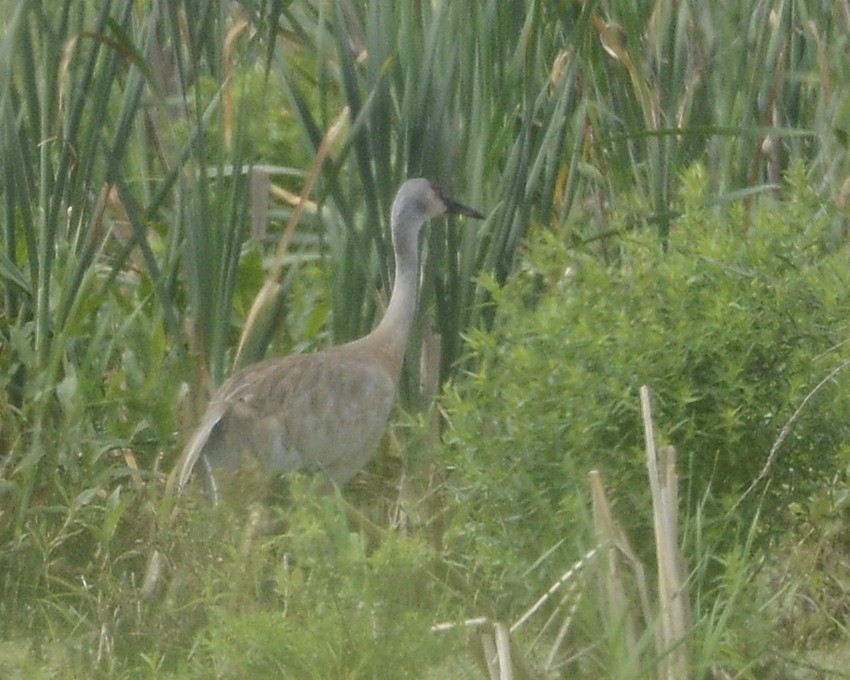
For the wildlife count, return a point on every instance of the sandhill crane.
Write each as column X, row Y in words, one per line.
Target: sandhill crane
column 325, row 411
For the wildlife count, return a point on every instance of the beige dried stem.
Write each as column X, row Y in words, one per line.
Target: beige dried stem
column 620, row 610
column 493, row 648
column 227, row 108
column 570, row 576
column 272, row 283
column 509, row 662
column 675, row 618
column 563, row 612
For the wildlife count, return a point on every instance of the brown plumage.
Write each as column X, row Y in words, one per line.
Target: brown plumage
column 325, row 411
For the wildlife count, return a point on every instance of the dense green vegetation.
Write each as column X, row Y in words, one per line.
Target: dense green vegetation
column 666, row 189
column 731, row 326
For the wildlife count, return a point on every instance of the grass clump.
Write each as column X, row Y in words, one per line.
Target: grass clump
column 302, row 590
column 307, row 589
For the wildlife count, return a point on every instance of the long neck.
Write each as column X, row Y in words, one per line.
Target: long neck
column 392, row 333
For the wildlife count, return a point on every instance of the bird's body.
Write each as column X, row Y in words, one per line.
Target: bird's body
column 324, row 411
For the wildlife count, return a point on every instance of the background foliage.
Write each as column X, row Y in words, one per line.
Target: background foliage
column 730, row 333
column 152, row 154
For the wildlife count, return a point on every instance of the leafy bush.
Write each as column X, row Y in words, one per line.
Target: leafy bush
column 730, row 327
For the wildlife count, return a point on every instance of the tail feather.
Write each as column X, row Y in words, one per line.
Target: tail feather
column 195, row 450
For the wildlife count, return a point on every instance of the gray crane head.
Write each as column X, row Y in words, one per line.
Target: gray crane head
column 419, row 199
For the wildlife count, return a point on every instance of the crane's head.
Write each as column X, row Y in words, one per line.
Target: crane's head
column 419, row 199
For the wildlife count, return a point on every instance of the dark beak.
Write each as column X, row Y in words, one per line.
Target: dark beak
column 454, row 207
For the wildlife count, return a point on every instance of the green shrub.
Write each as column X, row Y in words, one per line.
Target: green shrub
column 730, row 326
